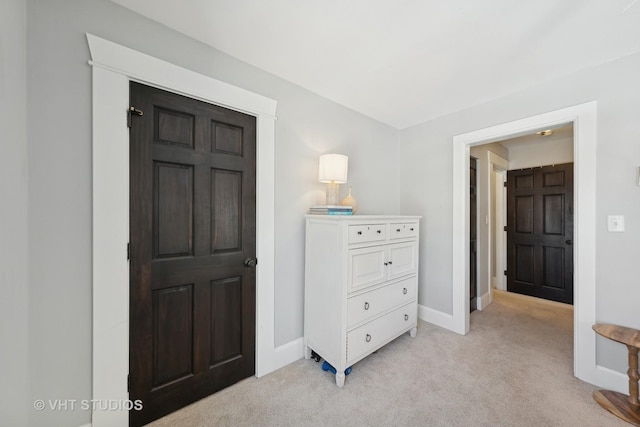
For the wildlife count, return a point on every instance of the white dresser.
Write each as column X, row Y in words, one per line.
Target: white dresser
column 361, row 285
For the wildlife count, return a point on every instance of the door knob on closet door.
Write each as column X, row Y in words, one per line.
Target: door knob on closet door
column 250, row 262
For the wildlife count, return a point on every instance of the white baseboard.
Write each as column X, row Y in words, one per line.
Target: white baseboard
column 498, row 283
column 483, row 301
column 289, row 353
column 438, row 318
column 609, row 379
column 85, row 425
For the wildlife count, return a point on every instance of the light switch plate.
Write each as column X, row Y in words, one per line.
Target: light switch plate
column 615, row 223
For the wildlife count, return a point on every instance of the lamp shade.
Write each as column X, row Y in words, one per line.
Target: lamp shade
column 333, row 168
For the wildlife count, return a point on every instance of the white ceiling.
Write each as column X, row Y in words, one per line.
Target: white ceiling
column 404, row 62
column 560, row 133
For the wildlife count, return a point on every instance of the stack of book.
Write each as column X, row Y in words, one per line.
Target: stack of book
column 331, row 210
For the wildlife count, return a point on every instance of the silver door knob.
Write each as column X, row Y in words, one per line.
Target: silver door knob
column 250, row 262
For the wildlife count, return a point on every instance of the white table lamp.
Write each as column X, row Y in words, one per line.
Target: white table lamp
column 333, row 171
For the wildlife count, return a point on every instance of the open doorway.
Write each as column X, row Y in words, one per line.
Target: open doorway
column 539, row 156
column 583, row 119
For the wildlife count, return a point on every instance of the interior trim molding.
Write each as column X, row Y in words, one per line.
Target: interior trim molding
column 484, row 300
column 113, row 67
column 289, row 353
column 611, row 380
column 436, row 317
column 584, row 119
column 494, row 161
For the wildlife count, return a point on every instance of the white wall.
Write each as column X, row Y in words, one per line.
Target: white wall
column 308, row 126
column 543, row 152
column 415, row 180
column 14, row 318
column 59, row 107
column 426, row 152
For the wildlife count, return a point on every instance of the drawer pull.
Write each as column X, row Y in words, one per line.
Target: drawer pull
column 411, row 229
column 390, row 262
column 404, row 291
column 368, row 338
column 397, row 230
column 366, row 305
column 406, row 317
column 379, row 231
column 386, row 263
column 360, row 233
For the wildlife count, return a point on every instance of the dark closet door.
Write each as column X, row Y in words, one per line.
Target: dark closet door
column 192, row 226
column 473, row 234
column 540, row 232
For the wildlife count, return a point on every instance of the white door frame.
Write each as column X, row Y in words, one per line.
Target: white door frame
column 584, row 120
column 114, row 67
column 496, row 234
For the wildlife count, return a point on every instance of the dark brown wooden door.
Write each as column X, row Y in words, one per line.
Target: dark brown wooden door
column 540, row 232
column 192, row 226
column 473, row 234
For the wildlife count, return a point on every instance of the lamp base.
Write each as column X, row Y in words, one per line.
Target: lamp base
column 333, row 193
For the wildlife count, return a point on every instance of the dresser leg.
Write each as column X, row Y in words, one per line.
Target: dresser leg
column 307, row 352
column 413, row 332
column 340, row 379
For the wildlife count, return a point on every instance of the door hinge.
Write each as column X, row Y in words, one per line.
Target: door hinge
column 128, row 251
column 505, row 183
column 128, row 383
column 133, row 110
column 505, row 272
column 505, row 228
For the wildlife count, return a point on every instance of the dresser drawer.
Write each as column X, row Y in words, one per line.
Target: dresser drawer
column 370, row 336
column 403, row 230
column 367, row 306
column 367, row 233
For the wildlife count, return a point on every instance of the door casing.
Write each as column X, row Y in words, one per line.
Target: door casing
column 114, row 66
column 497, row 166
column 584, row 119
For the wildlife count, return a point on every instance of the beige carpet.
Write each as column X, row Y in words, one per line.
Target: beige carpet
column 513, row 369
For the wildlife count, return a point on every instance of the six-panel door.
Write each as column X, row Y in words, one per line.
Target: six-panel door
column 192, row 225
